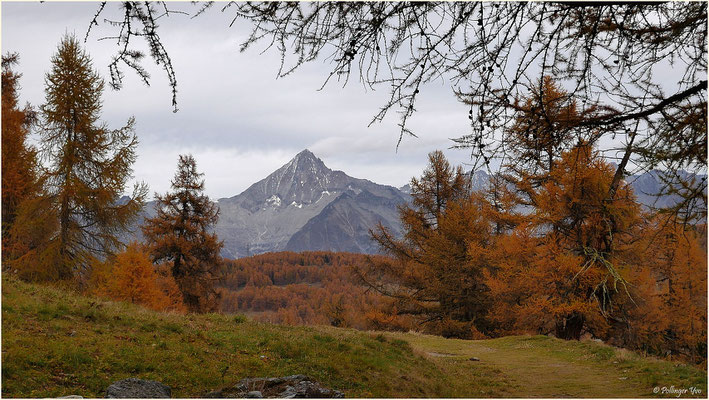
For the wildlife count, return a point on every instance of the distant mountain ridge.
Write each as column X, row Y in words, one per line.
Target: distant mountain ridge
column 647, row 187
column 305, row 206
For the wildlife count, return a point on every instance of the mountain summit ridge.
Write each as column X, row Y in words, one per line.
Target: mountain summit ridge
column 267, row 215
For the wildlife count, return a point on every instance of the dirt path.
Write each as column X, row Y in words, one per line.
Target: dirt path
column 546, row 367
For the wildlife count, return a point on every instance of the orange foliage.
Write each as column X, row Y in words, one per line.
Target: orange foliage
column 545, row 126
column 669, row 276
column 554, row 272
column 584, row 263
column 435, row 272
column 130, row 276
column 19, row 159
column 306, row 288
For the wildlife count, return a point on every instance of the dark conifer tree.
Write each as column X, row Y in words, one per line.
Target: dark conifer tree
column 179, row 234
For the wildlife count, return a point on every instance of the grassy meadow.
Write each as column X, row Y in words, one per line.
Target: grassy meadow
column 56, row 343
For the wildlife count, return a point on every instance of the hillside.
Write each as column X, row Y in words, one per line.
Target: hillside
column 307, row 288
column 55, row 343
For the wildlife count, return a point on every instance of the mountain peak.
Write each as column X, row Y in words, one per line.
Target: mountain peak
column 306, row 159
column 302, row 180
column 305, row 153
column 307, row 163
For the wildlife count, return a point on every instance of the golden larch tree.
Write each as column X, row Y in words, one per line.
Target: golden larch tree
column 19, row 159
column 553, row 275
column 434, row 271
column 88, row 165
column 131, row 276
column 669, row 276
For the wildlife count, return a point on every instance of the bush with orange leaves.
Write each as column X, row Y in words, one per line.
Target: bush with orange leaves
column 131, row 276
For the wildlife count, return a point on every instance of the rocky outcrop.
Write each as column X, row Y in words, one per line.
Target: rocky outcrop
column 288, row 387
column 133, row 388
column 345, row 223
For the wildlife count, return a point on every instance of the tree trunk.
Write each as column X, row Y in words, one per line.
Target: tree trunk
column 570, row 327
column 64, row 270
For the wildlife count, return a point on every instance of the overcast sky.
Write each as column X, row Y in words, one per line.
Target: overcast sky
column 235, row 117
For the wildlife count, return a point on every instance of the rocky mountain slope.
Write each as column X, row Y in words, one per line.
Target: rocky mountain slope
column 304, row 205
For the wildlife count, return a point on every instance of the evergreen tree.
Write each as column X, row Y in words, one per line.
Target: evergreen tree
column 179, row 234
column 88, row 166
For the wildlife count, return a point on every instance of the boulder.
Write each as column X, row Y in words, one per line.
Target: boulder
column 289, row 387
column 133, row 388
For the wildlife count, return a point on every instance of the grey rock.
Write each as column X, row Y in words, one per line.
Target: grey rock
column 138, row 389
column 294, row 386
column 474, row 359
column 308, row 389
column 71, row 396
column 344, row 224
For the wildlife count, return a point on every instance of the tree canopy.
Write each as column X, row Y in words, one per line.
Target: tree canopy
column 435, row 271
column 19, row 158
column 131, row 276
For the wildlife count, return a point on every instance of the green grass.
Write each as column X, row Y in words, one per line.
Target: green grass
column 55, row 343
column 542, row 366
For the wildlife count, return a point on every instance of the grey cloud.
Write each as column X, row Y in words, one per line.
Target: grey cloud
column 237, row 119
